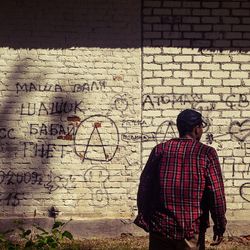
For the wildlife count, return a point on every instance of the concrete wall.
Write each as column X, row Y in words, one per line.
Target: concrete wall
column 87, row 88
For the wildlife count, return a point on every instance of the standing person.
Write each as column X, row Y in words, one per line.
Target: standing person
column 179, row 185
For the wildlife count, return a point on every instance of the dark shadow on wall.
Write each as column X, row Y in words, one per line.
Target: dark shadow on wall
column 213, row 25
column 64, row 24
column 24, row 182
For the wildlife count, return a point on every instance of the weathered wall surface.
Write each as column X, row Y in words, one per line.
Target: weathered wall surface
column 87, row 88
column 70, row 100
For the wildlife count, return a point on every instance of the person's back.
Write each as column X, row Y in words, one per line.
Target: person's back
column 180, row 183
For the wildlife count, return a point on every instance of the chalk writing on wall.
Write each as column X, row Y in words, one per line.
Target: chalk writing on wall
column 156, row 101
column 240, row 130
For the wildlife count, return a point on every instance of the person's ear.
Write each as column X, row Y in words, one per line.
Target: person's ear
column 196, row 130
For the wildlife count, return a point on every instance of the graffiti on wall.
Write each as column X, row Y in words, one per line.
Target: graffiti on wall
column 98, row 138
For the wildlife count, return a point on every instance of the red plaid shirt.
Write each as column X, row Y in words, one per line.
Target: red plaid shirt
column 179, row 185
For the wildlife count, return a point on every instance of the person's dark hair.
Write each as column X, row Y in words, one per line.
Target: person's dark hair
column 187, row 120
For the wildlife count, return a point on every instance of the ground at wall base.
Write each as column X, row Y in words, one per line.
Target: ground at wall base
column 122, row 234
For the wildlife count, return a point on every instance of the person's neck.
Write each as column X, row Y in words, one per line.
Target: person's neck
column 188, row 136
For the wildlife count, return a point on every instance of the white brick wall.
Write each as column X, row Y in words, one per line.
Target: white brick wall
column 83, row 103
column 70, row 109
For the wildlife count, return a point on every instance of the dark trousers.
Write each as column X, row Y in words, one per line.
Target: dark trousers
column 156, row 242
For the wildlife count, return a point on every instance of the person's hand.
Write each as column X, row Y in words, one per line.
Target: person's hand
column 217, row 239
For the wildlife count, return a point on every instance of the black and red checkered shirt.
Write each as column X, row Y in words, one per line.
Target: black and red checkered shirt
column 179, row 185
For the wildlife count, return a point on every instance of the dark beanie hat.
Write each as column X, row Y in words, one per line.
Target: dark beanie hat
column 189, row 118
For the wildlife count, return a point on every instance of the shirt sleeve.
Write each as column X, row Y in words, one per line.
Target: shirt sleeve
column 146, row 191
column 216, row 193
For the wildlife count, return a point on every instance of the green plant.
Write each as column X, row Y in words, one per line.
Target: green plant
column 42, row 239
column 5, row 243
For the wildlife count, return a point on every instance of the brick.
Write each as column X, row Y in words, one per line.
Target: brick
column 221, row 58
column 151, row 19
column 201, row 12
column 181, row 74
column 200, row 58
column 241, row 58
column 231, row 82
column 172, row 82
column 210, row 66
column 230, row 66
column 166, row 73
column 176, row 51
column 201, row 89
column 147, row 74
column 239, row 74
column 192, row 82
column 230, row 114
column 151, row 50
column 153, row 81
column 241, row 12
column 201, row 74
column 171, row 66
column 152, row 3
column 221, row 90
column 163, row 59
column 162, row 27
column 162, row 90
column 220, row 74
column 148, row 59
column 152, row 35
column 182, row 90
column 162, row 11
column 181, row 58
column 151, row 66
column 220, row 12
column 171, row 4
column 190, row 66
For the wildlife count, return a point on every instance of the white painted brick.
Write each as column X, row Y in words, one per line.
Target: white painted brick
column 153, row 81
column 201, row 74
column 190, row 66
column 239, row 74
column 147, row 74
column 220, row 74
column 151, row 51
column 182, row 90
column 172, row 82
column 183, row 58
column 163, row 59
column 148, row 59
column 231, row 82
column 200, row 58
column 201, row 89
column 210, row 66
column 171, row 50
column 163, row 90
column 241, row 58
column 166, row 73
column 192, row 82
column 181, row 74
column 221, row 90
column 212, row 82
column 151, row 66
column 230, row 66
column 171, row 66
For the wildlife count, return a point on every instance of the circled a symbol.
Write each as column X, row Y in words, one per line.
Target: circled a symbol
column 97, row 139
